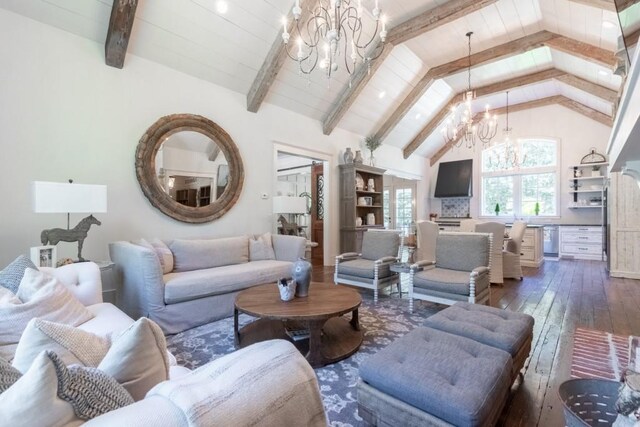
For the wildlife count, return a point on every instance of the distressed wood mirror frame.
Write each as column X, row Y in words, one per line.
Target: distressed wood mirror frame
column 146, row 153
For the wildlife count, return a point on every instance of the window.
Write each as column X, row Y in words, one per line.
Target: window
column 404, row 209
column 516, row 191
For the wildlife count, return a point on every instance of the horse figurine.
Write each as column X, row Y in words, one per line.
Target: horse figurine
column 76, row 234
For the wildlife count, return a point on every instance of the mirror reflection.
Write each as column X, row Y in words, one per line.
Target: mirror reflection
column 192, row 169
column 629, row 18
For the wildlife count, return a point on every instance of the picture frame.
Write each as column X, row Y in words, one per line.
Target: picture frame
column 44, row 256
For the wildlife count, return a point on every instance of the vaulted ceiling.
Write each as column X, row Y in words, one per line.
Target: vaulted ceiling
column 543, row 51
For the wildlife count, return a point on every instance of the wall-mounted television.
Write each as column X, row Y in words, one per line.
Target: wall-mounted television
column 455, row 179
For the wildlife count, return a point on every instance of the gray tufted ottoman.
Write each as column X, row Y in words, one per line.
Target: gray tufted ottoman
column 506, row 330
column 430, row 377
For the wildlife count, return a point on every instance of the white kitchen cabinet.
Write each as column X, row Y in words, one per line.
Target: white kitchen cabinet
column 532, row 250
column 581, row 242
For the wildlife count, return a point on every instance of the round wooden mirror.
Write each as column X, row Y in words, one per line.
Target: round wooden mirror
column 189, row 168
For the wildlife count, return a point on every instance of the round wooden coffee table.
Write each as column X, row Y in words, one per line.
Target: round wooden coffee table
column 331, row 337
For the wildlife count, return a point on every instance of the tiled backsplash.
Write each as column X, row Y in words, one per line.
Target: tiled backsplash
column 455, row 207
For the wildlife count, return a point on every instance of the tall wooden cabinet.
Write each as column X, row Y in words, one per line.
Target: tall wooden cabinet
column 358, row 200
column 624, row 227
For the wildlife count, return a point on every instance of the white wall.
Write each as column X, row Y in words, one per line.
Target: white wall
column 67, row 115
column 576, row 133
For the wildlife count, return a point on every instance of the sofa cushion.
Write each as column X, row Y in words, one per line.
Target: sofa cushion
column 39, row 295
column 50, row 394
column 190, row 285
column 138, row 358
column 261, row 248
column 192, row 255
column 441, row 279
column 379, row 244
column 107, row 319
column 362, row 268
column 498, row 328
column 11, row 275
column 72, row 345
column 463, row 252
column 165, row 256
column 452, row 378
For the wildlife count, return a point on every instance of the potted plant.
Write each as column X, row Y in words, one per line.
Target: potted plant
column 536, row 209
column 372, row 143
column 595, row 171
column 497, row 209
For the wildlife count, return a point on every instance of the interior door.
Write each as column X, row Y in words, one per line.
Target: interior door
column 317, row 213
column 399, row 203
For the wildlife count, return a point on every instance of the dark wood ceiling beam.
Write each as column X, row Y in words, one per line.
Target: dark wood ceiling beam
column 272, row 63
column 399, row 34
column 123, row 14
column 551, row 100
column 632, row 38
column 625, row 4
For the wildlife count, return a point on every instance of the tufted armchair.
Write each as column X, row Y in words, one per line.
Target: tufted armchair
column 460, row 271
column 371, row 269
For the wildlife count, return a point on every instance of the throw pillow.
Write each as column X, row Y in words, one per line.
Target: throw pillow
column 138, row 358
column 39, row 295
column 8, row 375
column 12, row 274
column 164, row 255
column 49, row 393
column 261, row 248
column 72, row 345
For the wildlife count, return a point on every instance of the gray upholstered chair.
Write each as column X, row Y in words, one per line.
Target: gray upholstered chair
column 512, row 268
column 497, row 231
column 427, row 235
column 460, row 271
column 371, row 268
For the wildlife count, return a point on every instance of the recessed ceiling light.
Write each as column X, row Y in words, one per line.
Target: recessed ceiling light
column 222, row 6
column 382, row 94
column 608, row 24
column 603, row 72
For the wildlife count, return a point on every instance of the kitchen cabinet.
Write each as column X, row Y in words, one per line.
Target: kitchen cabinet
column 581, row 242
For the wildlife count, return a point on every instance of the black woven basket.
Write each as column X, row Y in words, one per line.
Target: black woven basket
column 589, row 402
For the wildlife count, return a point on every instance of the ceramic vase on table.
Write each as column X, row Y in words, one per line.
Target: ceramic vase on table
column 301, row 273
column 348, row 156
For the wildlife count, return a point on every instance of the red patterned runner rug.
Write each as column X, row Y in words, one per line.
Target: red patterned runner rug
column 598, row 354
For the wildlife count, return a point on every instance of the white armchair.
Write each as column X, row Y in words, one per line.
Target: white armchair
column 371, row 268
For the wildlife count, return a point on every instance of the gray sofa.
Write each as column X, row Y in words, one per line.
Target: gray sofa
column 207, row 276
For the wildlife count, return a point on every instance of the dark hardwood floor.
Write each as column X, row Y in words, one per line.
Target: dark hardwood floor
column 561, row 296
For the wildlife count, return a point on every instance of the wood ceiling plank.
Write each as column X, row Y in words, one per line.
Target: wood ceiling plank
column 583, row 50
column 123, row 14
column 399, row 34
column 272, row 63
column 503, row 86
column 589, row 87
column 551, row 100
column 521, row 45
column 599, row 4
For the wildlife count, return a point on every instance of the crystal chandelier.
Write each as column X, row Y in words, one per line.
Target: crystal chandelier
column 468, row 129
column 334, row 28
column 507, row 155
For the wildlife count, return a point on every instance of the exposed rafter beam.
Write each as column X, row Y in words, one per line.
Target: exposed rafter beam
column 123, row 14
column 625, row 4
column 632, row 39
column 401, row 33
column 512, row 48
column 551, row 100
column 272, row 63
column 599, row 4
column 589, row 87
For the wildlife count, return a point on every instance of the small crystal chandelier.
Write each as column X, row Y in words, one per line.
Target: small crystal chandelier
column 334, row 28
column 507, row 155
column 469, row 128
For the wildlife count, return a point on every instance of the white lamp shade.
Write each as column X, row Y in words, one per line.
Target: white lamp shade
column 58, row 197
column 289, row 205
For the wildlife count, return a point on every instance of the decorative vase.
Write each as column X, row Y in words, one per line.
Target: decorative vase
column 371, row 185
column 372, row 160
column 358, row 221
column 348, row 156
column 358, row 158
column 301, row 273
column 287, row 289
column 371, row 219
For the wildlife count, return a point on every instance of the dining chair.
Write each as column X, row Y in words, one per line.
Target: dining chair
column 497, row 231
column 512, row 268
column 468, row 225
column 427, row 235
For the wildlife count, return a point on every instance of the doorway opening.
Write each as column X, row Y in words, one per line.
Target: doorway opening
column 301, row 182
column 399, row 203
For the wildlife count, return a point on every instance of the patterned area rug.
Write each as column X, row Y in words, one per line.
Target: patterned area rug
column 598, row 354
column 382, row 324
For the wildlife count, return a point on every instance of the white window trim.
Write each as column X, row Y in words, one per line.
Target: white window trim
column 517, row 187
